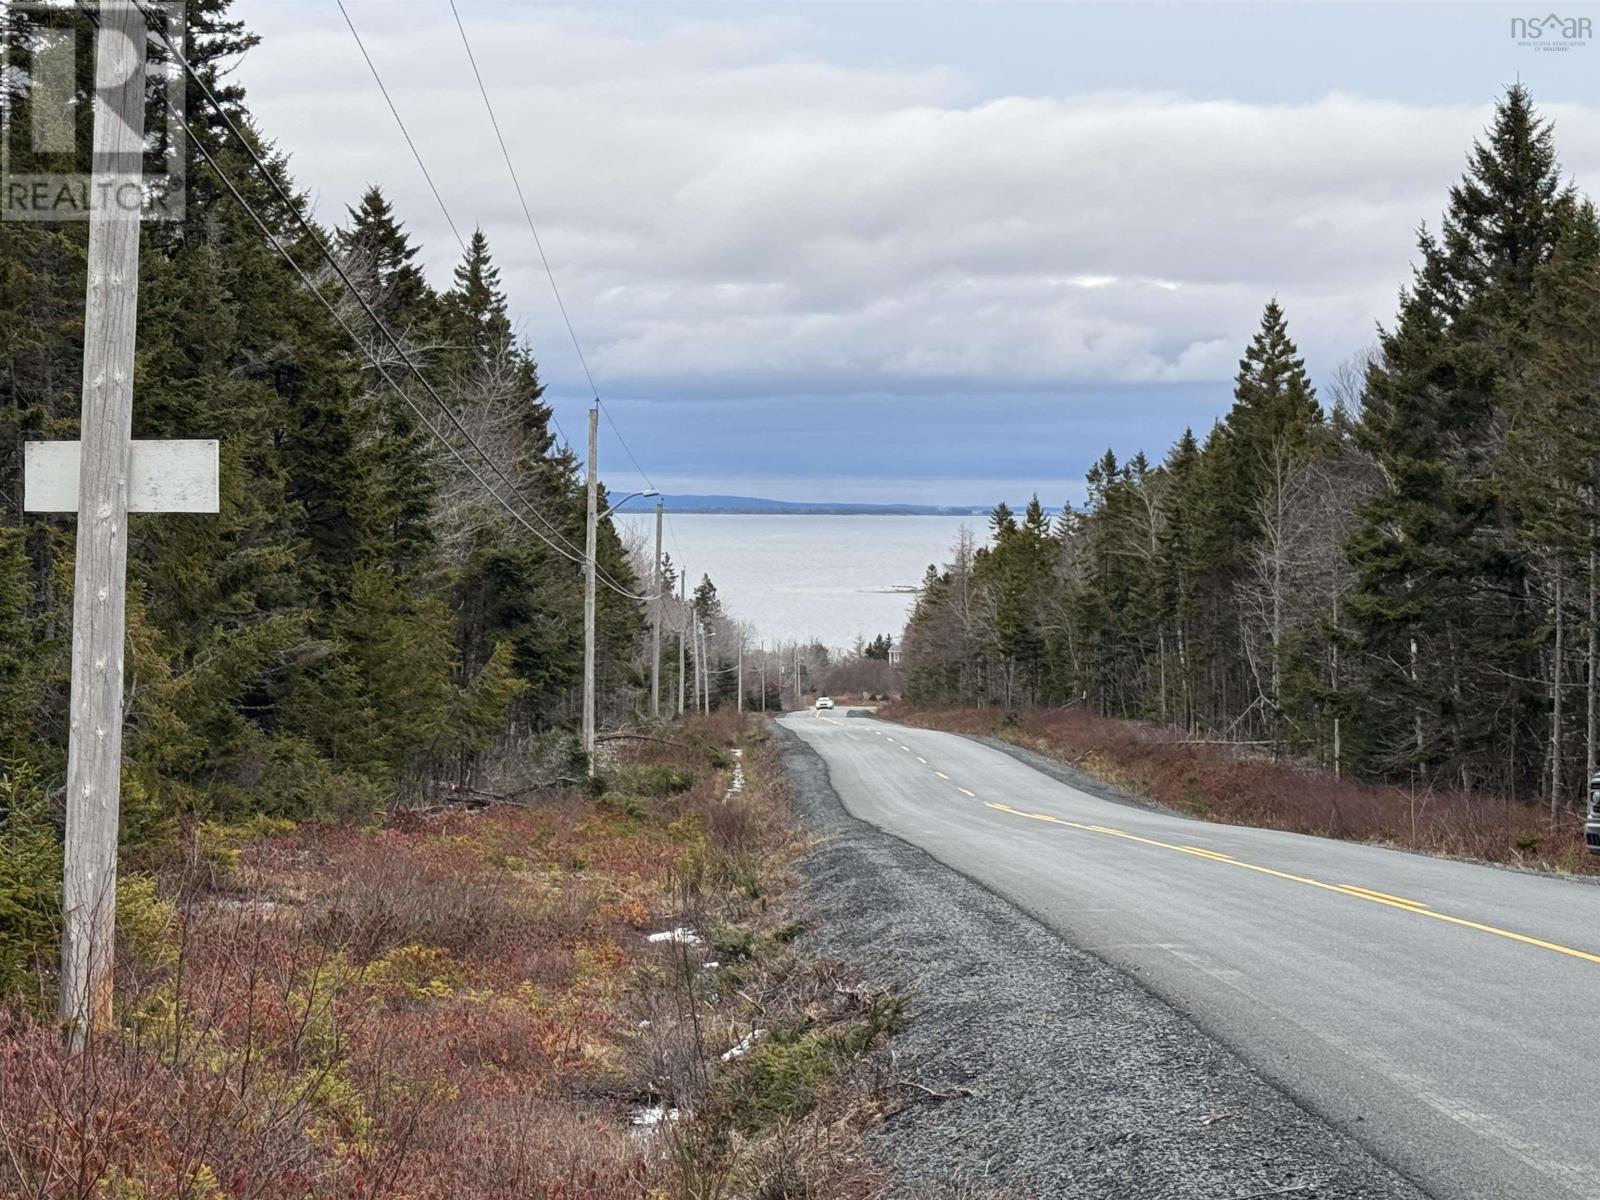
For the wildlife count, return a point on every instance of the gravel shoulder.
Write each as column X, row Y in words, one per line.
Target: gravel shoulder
column 1081, row 1083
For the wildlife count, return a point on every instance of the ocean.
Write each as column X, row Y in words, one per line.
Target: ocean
column 831, row 579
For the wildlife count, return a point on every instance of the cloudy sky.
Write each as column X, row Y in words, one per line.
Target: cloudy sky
column 942, row 251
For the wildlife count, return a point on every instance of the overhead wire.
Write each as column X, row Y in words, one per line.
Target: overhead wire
column 544, row 259
column 319, row 243
column 427, row 175
column 398, row 120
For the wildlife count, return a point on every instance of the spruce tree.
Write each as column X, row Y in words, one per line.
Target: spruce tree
column 1441, row 604
column 380, row 254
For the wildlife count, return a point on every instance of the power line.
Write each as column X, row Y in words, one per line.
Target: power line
column 438, row 197
column 319, row 243
column 406, row 133
column 544, row 259
column 417, row 154
column 523, row 200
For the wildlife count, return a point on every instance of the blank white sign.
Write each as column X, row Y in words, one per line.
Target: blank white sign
column 170, row 477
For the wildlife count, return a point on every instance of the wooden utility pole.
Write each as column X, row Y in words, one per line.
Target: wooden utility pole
column 99, row 597
column 682, row 633
column 590, row 526
column 699, row 664
column 655, row 628
column 705, row 669
column 103, row 477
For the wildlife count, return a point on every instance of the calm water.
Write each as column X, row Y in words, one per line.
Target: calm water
column 804, row 577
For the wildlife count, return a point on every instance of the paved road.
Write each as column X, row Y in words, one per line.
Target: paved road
column 1447, row 1015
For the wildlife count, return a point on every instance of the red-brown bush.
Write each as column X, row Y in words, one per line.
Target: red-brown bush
column 1237, row 786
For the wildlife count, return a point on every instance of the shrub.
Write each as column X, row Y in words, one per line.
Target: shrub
column 386, row 897
column 651, row 779
column 218, row 846
column 147, row 927
column 624, row 805
column 732, row 943
column 30, row 878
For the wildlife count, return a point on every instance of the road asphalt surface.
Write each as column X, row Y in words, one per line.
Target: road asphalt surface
column 1440, row 1013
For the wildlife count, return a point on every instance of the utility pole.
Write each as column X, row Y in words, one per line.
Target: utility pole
column 682, row 633
column 655, row 630
column 591, row 525
column 705, row 670
column 103, row 477
column 699, row 665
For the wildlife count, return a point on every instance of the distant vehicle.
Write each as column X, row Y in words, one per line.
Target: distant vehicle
column 827, row 702
column 1591, row 828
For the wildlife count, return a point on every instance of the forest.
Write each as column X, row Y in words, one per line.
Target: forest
column 364, row 621
column 1395, row 578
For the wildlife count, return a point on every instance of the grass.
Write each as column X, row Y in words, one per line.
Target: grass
column 1235, row 786
column 468, row 1004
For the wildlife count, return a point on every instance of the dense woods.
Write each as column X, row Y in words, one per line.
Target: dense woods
column 1397, row 577
column 363, row 620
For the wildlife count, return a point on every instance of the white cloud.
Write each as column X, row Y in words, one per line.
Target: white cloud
column 717, row 203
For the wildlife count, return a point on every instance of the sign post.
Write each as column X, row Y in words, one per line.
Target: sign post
column 103, row 477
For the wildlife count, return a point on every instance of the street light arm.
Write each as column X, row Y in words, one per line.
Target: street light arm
column 624, row 500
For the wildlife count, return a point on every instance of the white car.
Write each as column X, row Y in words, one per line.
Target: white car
column 824, row 702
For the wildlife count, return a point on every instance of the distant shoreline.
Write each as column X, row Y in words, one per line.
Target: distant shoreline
column 753, row 506
column 808, row 512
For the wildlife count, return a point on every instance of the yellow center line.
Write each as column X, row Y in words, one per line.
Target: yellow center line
column 1365, row 891
column 1204, row 853
column 1371, row 897
column 942, row 776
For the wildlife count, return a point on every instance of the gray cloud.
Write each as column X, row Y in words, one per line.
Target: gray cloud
column 719, row 204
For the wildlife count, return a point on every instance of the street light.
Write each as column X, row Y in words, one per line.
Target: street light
column 625, row 499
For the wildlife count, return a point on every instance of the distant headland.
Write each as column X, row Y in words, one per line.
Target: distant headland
column 755, row 505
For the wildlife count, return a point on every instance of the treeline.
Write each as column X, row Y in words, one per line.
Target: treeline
column 1402, row 583
column 362, row 619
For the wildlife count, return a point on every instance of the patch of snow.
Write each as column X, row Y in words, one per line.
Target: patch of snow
column 656, row 1114
column 745, row 1045
column 678, row 937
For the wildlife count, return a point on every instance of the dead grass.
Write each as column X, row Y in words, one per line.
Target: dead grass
column 467, row 1004
column 1235, row 786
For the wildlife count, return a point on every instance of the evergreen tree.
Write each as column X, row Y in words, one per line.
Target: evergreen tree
column 1441, row 607
column 380, row 254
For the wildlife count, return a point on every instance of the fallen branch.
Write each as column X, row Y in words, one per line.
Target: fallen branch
column 639, row 737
